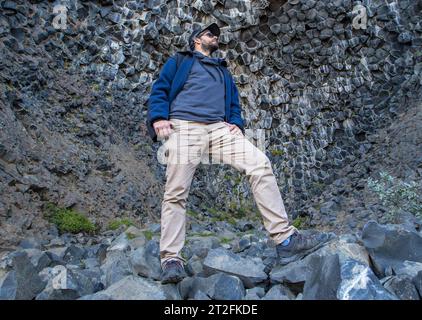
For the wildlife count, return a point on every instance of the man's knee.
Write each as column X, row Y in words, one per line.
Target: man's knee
column 175, row 197
column 260, row 165
column 176, row 194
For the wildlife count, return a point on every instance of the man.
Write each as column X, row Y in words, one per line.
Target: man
column 195, row 107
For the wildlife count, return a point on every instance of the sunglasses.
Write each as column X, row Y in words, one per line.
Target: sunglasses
column 209, row 35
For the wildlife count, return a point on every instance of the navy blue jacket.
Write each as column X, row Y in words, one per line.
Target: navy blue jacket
column 171, row 81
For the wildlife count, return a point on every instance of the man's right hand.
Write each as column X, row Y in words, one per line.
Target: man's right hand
column 162, row 128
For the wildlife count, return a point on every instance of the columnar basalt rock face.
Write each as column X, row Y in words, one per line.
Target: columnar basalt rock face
column 316, row 78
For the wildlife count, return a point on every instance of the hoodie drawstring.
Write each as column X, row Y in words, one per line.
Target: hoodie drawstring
column 219, row 71
column 200, row 62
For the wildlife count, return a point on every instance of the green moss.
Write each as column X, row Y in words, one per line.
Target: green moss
column 130, row 235
column 201, row 234
column 193, row 214
column 148, row 234
column 68, row 220
column 249, row 232
column 299, row 222
column 276, row 152
column 225, row 240
column 222, row 216
column 234, row 212
column 237, row 180
column 117, row 223
column 232, row 206
column 243, row 210
column 212, row 211
column 184, row 256
column 231, row 220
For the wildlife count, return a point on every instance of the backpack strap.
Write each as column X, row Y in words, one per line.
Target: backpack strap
column 180, row 56
column 179, row 59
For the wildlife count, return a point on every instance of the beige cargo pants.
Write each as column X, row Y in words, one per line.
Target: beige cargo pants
column 191, row 143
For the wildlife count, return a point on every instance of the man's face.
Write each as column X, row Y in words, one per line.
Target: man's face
column 208, row 41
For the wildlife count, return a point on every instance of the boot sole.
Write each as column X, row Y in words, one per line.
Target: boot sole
column 173, row 279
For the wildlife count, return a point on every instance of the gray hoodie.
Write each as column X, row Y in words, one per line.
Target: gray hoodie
column 202, row 96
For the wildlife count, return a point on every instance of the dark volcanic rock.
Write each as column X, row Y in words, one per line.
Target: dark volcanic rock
column 19, row 279
column 219, row 286
column 250, row 271
column 390, row 245
column 145, row 260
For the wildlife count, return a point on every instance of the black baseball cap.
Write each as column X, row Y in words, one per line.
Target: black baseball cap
column 213, row 28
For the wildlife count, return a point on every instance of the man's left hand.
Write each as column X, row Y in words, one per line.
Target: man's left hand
column 234, row 129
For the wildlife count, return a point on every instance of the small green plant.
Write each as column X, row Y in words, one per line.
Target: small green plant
column 299, row 222
column 397, row 196
column 184, row 255
column 130, row 235
column 225, row 240
column 276, row 152
column 232, row 221
column 222, row 216
column 115, row 224
column 193, row 214
column 201, row 234
column 68, row 220
column 148, row 234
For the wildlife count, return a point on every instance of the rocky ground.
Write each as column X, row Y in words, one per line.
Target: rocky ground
column 72, row 106
column 235, row 262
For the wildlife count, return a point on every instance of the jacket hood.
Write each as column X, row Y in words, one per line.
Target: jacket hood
column 221, row 61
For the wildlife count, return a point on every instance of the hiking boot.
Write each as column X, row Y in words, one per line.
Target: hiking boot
column 173, row 271
column 301, row 245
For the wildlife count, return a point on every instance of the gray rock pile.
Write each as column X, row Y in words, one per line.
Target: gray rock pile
column 384, row 264
column 73, row 93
